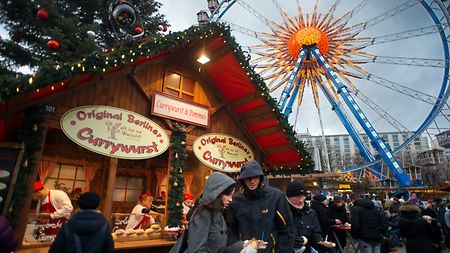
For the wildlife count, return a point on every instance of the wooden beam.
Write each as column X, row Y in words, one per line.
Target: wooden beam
column 216, row 108
column 278, row 149
column 107, row 209
column 31, row 178
column 245, row 99
column 211, row 84
column 256, row 116
column 268, row 130
column 134, row 80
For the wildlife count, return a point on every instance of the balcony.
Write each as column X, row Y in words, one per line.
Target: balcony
column 426, row 161
column 444, row 139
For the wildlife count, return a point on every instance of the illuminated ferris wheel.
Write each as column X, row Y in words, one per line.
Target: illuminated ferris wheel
column 378, row 65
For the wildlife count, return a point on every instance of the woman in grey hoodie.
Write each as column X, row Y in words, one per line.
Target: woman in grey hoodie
column 207, row 227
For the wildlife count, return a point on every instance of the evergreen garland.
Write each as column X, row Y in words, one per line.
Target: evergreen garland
column 176, row 181
column 52, row 77
column 31, row 134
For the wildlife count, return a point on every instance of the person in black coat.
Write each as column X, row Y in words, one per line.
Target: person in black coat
column 88, row 226
column 417, row 231
column 259, row 211
column 429, row 213
column 337, row 211
column 319, row 205
column 367, row 226
column 306, row 224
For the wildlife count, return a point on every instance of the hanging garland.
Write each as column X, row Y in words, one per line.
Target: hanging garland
column 134, row 53
column 176, row 181
column 31, row 134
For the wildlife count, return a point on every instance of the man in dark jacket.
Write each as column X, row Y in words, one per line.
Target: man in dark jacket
column 367, row 227
column 306, row 224
column 319, row 205
column 87, row 231
column 260, row 211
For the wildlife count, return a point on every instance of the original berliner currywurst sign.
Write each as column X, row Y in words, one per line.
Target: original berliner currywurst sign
column 114, row 132
column 222, row 152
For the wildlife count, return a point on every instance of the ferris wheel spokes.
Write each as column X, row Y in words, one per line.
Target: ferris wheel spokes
column 286, row 91
column 384, row 150
column 363, row 150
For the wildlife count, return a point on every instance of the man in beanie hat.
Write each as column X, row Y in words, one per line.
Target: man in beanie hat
column 306, row 224
column 53, row 206
column 87, row 230
column 261, row 212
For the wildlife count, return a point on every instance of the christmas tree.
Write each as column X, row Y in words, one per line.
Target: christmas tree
column 47, row 32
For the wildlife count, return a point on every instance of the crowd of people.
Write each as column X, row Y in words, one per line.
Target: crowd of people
column 248, row 216
column 284, row 221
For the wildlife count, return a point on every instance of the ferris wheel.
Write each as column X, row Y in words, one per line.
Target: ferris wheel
column 372, row 65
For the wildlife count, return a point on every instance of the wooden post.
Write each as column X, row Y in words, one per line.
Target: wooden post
column 107, row 209
column 166, row 213
column 31, row 178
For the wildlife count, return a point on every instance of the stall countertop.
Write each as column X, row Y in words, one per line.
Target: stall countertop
column 117, row 246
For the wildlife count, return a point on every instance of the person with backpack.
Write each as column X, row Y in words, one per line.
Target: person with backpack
column 87, row 231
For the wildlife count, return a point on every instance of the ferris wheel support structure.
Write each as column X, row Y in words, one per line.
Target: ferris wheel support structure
column 376, row 140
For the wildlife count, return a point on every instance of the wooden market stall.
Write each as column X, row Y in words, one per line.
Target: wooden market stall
column 230, row 98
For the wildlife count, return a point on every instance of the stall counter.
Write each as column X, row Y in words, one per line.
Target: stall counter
column 158, row 245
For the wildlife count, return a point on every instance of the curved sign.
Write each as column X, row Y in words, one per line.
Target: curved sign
column 222, row 152
column 114, row 132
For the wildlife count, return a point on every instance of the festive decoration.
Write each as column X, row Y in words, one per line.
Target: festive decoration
column 125, row 21
column 140, row 52
column 42, row 14
column 178, row 164
column 163, row 28
column 33, row 141
column 138, row 30
column 53, row 44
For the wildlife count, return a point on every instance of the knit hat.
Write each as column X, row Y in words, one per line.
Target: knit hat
column 338, row 198
column 251, row 169
column 38, row 186
column 295, row 189
column 89, row 200
column 319, row 197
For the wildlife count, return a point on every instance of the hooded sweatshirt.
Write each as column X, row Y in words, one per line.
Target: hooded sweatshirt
column 207, row 227
column 93, row 230
column 262, row 213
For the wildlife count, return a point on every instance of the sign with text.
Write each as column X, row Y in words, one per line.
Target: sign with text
column 222, row 152
column 170, row 107
column 114, row 132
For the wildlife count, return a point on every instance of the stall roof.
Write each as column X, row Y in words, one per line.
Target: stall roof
column 229, row 69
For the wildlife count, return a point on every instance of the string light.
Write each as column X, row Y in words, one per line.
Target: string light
column 146, row 49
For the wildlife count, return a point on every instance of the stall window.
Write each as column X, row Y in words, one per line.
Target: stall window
column 128, row 188
column 179, row 86
column 66, row 177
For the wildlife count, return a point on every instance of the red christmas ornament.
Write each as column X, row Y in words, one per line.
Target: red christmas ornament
column 53, row 44
column 165, row 28
column 138, row 30
column 42, row 14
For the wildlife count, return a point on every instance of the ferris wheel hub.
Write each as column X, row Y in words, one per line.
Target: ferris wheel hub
column 307, row 36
